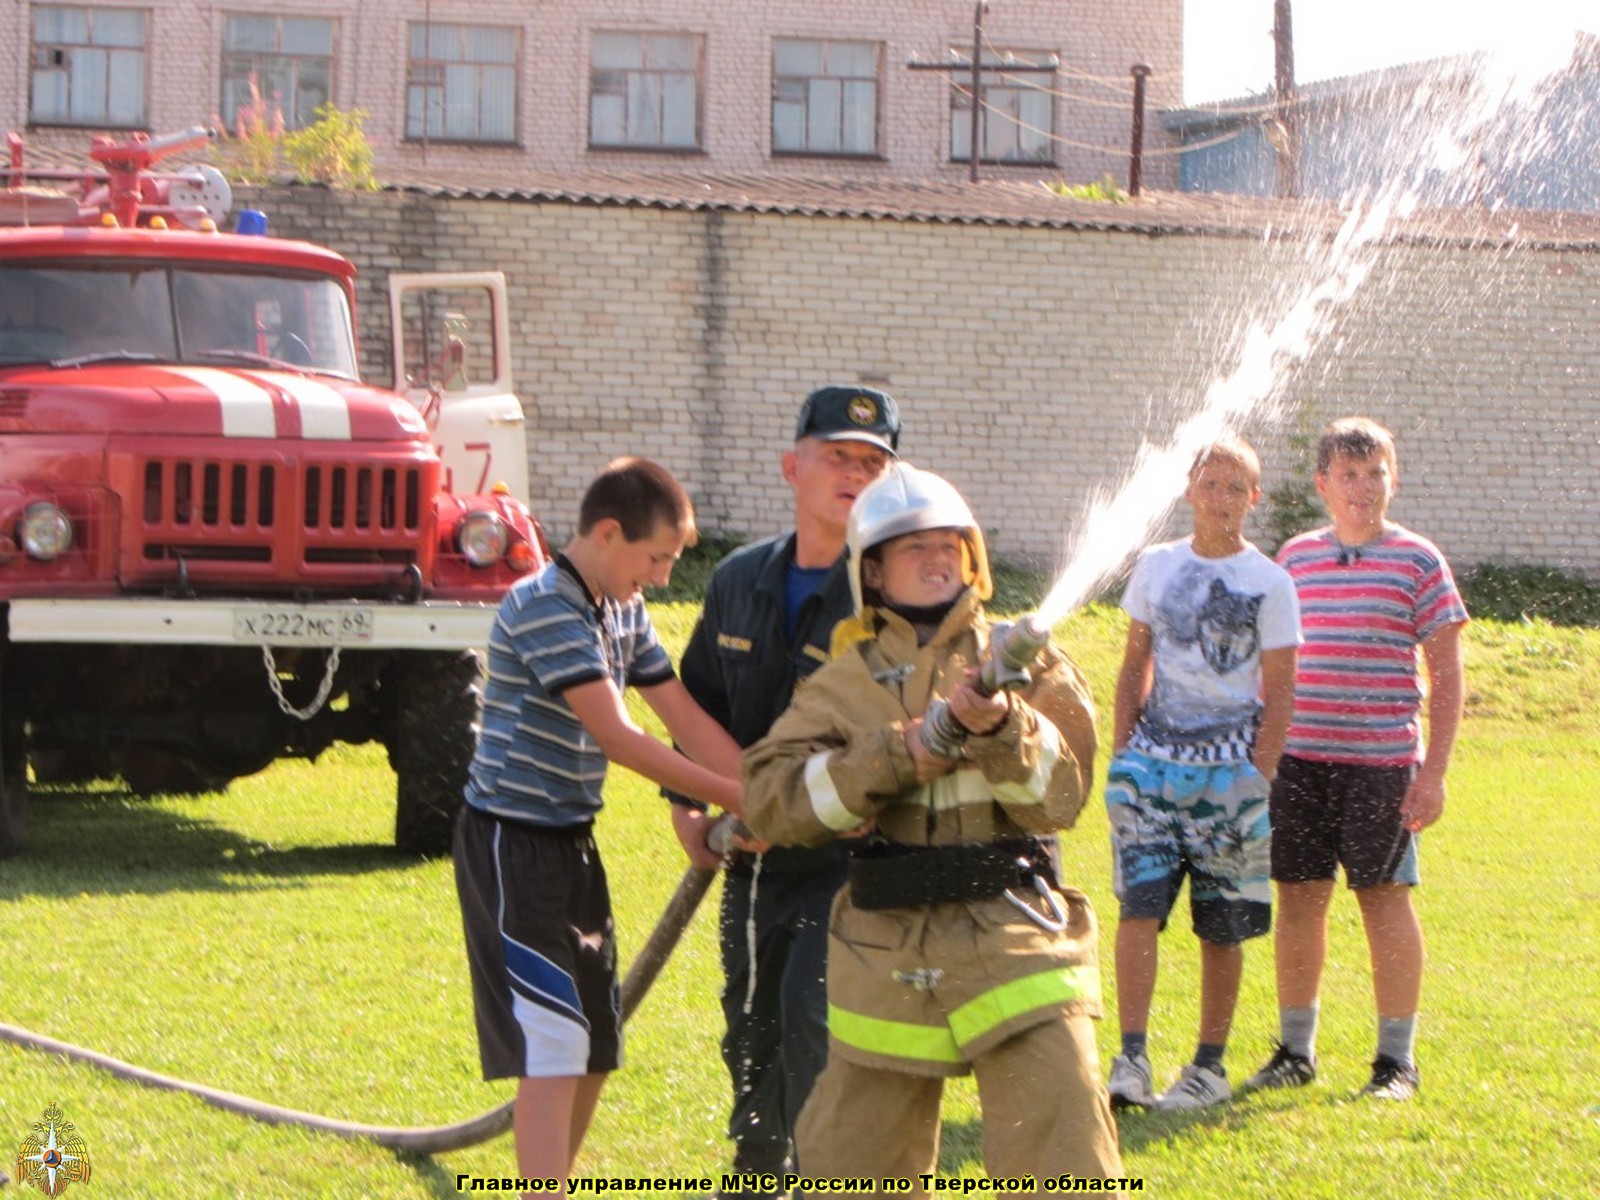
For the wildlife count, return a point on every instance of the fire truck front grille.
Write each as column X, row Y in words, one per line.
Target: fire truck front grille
column 210, row 495
column 286, row 515
column 341, row 497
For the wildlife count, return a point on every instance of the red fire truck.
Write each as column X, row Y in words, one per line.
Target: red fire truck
column 218, row 547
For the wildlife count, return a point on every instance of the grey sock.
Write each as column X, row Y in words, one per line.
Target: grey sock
column 1298, row 1027
column 1397, row 1038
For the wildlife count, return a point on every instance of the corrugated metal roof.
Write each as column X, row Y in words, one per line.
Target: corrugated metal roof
column 988, row 202
column 1003, row 202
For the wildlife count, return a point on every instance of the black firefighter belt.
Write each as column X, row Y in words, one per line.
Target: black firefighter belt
column 891, row 875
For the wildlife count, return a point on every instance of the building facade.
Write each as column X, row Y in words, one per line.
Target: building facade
column 1037, row 344
column 831, row 88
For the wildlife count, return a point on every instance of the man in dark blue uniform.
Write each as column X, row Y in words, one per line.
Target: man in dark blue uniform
column 769, row 614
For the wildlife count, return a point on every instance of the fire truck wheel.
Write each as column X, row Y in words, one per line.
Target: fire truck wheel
column 430, row 745
column 13, row 776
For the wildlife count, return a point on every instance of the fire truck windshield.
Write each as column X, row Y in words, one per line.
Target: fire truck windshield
column 92, row 311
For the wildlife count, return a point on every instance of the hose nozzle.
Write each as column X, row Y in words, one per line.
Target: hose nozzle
column 1013, row 645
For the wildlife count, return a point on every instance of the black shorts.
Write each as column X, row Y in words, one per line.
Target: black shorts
column 1327, row 814
column 536, row 911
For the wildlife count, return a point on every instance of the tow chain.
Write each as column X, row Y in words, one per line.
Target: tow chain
column 317, row 701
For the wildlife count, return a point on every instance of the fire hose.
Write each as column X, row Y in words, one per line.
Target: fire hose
column 437, row 1139
column 1012, row 647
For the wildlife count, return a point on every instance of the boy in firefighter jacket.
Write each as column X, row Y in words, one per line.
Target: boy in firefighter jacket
column 953, row 948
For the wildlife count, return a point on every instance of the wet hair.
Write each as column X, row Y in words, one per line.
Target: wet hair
column 1354, row 437
column 1228, row 449
column 639, row 495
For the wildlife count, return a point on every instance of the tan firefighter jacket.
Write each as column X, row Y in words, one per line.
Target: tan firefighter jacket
column 927, row 989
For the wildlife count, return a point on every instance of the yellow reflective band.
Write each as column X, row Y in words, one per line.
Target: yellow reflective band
column 1058, row 985
column 922, row 1043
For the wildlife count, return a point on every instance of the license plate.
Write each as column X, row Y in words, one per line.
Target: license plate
column 288, row 626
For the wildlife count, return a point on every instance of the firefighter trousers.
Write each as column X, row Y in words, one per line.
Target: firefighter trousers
column 1045, row 1113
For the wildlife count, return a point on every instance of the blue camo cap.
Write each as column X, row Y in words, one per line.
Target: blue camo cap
column 850, row 414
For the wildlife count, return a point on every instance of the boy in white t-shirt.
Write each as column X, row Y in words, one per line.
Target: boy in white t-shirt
column 1203, row 703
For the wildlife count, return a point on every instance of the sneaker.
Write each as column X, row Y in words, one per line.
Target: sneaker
column 1284, row 1069
column 1130, row 1082
column 1197, row 1087
column 1393, row 1080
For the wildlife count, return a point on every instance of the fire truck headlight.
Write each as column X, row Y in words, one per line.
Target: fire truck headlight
column 45, row 531
column 482, row 538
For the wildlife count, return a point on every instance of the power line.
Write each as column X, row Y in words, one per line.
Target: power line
column 1058, row 139
column 1113, row 83
column 1008, row 68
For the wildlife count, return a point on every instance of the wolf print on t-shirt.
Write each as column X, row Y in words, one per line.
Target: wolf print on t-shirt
column 1207, row 655
column 1210, row 621
column 1227, row 628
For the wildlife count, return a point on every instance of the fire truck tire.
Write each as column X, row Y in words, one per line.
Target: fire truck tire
column 13, row 772
column 430, row 745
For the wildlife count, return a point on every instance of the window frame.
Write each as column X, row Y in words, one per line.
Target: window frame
column 843, row 110
column 994, row 60
column 645, row 70
column 62, row 54
column 292, row 116
column 439, row 68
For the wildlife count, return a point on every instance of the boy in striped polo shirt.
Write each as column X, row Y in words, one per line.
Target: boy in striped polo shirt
column 1356, row 783
column 535, row 904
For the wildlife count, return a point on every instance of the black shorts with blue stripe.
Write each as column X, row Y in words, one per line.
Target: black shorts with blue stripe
column 536, row 911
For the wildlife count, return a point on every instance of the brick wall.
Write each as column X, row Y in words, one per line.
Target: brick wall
column 1097, row 43
column 1031, row 363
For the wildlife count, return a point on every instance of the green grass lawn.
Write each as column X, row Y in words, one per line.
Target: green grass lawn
column 269, row 942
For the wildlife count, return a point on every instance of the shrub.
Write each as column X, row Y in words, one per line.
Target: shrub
column 1105, row 189
column 1293, row 505
column 333, row 149
column 1527, row 593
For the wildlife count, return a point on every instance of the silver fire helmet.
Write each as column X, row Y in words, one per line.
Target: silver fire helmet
column 906, row 500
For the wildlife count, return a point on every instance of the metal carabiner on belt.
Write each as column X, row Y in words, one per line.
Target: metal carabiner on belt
column 1055, row 920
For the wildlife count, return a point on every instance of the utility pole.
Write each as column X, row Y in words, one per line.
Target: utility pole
column 976, row 139
column 1140, row 73
column 1285, row 110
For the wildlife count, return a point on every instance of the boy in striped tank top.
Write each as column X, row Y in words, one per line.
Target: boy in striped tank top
column 1356, row 783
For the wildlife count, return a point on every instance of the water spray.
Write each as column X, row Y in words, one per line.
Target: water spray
column 1013, row 645
column 1444, row 134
